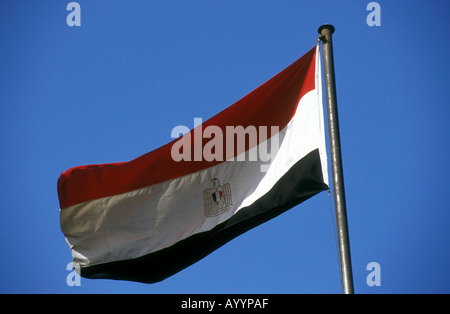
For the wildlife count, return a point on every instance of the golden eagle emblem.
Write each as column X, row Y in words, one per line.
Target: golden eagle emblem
column 217, row 199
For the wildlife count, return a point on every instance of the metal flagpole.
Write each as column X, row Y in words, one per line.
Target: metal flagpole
column 325, row 32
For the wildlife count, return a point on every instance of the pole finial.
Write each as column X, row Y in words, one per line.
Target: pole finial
column 325, row 32
column 326, row 26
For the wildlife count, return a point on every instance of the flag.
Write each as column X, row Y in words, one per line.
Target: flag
column 147, row 219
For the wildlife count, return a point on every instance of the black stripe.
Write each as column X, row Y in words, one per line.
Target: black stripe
column 301, row 182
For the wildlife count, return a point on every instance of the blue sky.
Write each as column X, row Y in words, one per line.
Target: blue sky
column 113, row 89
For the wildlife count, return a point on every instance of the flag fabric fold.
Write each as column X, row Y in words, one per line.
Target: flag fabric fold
column 146, row 219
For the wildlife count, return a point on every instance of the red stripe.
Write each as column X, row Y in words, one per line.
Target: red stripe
column 272, row 104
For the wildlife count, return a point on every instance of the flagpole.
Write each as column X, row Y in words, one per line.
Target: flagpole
column 325, row 32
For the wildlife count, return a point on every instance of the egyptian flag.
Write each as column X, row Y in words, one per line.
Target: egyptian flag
column 147, row 219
